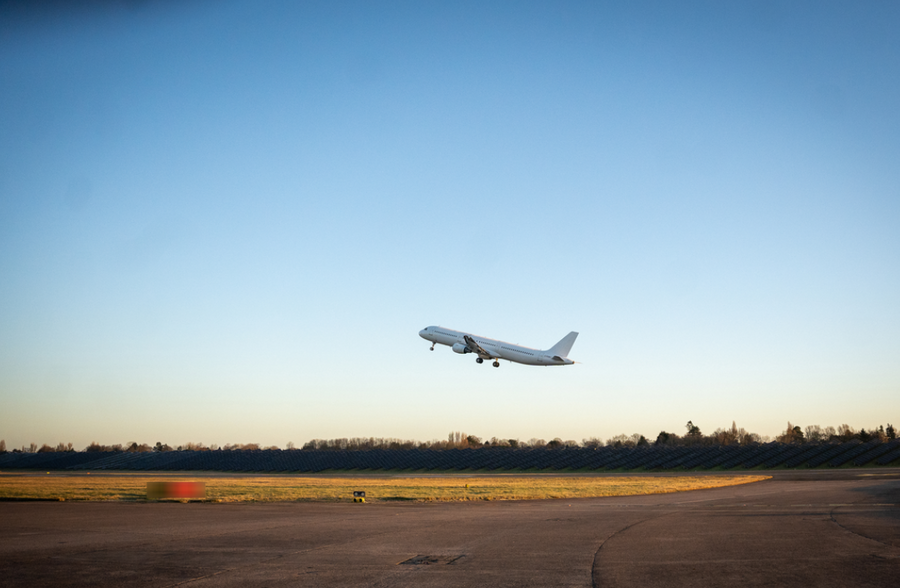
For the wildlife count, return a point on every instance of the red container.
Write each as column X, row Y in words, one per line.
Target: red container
column 161, row 490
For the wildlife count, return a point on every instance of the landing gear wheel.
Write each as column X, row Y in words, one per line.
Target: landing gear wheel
column 496, row 364
column 479, row 360
column 432, row 347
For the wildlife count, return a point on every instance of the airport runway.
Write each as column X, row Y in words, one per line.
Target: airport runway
column 799, row 529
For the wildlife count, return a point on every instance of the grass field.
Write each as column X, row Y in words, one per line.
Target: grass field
column 377, row 488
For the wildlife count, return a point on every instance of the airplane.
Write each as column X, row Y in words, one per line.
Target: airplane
column 485, row 348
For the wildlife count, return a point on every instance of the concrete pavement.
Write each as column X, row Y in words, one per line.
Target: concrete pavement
column 807, row 528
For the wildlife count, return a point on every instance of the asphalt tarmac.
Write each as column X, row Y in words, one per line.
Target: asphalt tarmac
column 798, row 529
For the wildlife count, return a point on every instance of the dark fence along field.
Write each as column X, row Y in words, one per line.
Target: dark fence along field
column 656, row 458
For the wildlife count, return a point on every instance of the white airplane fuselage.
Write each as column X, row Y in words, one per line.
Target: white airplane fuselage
column 485, row 348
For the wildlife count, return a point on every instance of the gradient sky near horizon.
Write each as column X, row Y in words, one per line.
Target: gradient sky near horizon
column 225, row 222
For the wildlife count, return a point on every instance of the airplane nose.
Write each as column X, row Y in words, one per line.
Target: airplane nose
column 422, row 333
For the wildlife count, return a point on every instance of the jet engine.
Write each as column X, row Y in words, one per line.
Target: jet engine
column 460, row 348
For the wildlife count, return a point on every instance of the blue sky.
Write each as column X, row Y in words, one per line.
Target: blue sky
column 226, row 222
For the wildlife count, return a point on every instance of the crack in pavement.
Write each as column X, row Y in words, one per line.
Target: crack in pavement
column 594, row 571
column 857, row 533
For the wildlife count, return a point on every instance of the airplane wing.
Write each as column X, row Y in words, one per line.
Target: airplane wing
column 476, row 348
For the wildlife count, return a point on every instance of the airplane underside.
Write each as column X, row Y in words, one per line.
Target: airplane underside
column 556, row 355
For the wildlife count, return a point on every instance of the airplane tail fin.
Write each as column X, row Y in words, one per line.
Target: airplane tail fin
column 563, row 348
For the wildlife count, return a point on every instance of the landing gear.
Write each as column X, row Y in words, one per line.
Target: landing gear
column 479, row 360
column 496, row 364
column 432, row 346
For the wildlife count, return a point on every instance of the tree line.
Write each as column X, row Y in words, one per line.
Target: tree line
column 734, row 435
column 792, row 434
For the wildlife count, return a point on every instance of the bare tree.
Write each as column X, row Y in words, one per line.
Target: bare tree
column 638, row 439
column 814, row 433
column 726, row 436
column 94, row 446
column 745, row 438
column 592, row 443
column 621, row 440
column 791, row 434
column 191, row 446
column 3, row 445
column 845, row 432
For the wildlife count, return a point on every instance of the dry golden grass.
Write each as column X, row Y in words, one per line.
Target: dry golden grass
column 377, row 488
